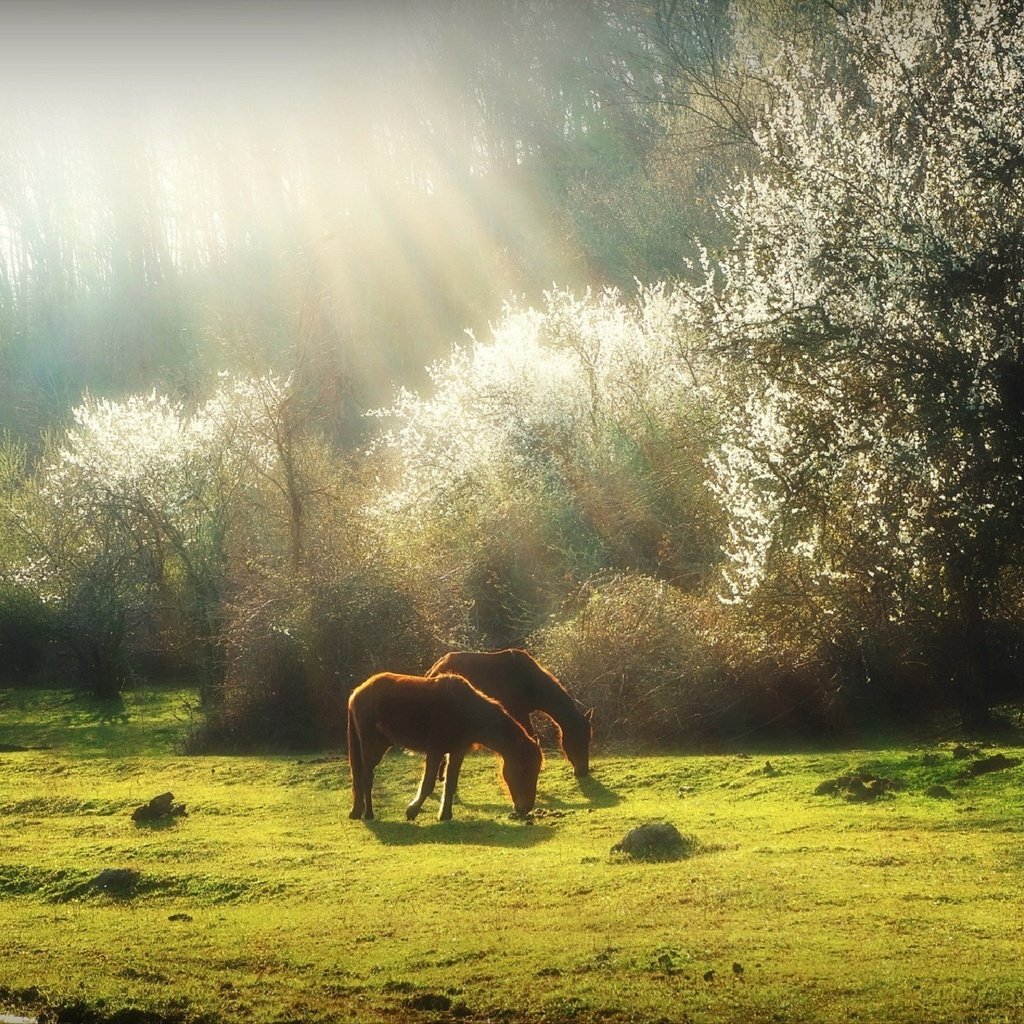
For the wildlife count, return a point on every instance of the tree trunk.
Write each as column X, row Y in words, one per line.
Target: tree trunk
column 972, row 663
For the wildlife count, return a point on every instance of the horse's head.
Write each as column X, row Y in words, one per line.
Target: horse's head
column 576, row 743
column 520, row 773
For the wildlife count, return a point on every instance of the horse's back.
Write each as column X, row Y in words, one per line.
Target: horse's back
column 510, row 676
column 417, row 712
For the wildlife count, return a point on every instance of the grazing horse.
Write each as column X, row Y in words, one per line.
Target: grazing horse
column 521, row 685
column 438, row 716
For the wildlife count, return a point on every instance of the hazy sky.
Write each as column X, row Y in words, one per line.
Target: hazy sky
column 70, row 47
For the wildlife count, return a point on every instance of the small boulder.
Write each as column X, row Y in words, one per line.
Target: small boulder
column 119, row 882
column 655, row 841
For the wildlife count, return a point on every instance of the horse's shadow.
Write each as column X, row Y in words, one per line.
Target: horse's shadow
column 512, row 834
column 595, row 794
column 598, row 793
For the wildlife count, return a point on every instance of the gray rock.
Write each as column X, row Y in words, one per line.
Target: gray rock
column 657, row 840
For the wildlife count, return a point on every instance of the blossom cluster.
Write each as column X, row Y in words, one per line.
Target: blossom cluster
column 871, row 307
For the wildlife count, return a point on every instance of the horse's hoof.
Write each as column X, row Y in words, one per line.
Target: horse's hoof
column 355, row 815
column 411, row 812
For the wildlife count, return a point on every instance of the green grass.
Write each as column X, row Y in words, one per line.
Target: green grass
column 141, row 722
column 266, row 904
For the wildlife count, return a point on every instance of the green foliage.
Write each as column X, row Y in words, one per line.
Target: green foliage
column 27, row 625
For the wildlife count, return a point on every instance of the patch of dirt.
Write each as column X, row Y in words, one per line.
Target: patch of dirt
column 995, row 763
column 549, row 813
column 858, row 787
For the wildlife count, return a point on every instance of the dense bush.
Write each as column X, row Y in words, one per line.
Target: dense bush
column 296, row 646
column 27, row 628
column 659, row 665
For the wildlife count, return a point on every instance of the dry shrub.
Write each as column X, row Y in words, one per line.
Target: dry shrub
column 659, row 665
column 296, row 649
column 633, row 651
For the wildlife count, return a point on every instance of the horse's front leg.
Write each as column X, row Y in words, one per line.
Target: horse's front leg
column 433, row 762
column 451, row 782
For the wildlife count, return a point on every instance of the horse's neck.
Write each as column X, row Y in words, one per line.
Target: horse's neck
column 506, row 733
column 552, row 700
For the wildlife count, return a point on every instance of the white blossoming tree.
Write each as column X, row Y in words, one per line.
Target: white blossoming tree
column 571, row 440
column 872, row 305
column 131, row 510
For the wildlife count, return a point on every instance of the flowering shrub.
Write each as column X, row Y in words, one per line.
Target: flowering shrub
column 126, row 522
column 572, row 440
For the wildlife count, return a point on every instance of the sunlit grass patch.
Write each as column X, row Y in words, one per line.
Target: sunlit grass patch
column 265, row 903
column 141, row 721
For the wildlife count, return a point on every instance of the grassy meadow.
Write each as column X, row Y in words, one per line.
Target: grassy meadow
column 266, row 904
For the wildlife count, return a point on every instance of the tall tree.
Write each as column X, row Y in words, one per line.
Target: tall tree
column 872, row 304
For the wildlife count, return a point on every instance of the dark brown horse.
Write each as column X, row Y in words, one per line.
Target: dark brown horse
column 523, row 686
column 441, row 716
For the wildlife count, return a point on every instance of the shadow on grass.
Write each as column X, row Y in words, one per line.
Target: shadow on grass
column 597, row 793
column 163, row 824
column 140, row 722
column 594, row 794
column 512, row 834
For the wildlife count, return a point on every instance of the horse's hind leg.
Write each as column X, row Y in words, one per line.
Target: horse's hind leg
column 430, row 771
column 451, row 781
column 364, row 756
column 355, row 763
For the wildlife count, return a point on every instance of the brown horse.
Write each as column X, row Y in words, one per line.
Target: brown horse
column 438, row 716
column 522, row 686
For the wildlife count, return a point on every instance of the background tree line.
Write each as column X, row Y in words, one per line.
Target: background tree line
column 772, row 489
